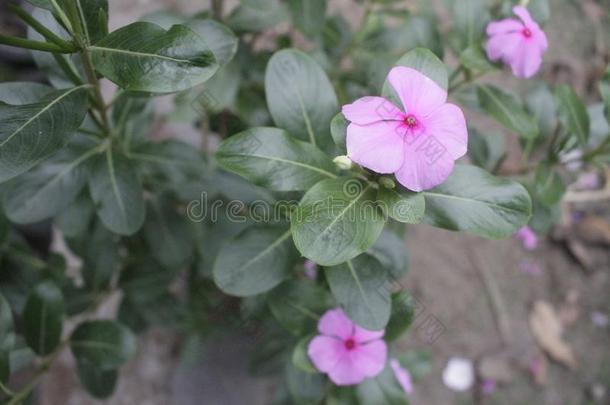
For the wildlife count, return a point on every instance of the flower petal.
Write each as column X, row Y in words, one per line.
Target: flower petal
column 335, row 323
column 403, row 376
column 362, row 335
column 526, row 61
column 427, row 164
column 525, row 16
column 325, row 352
column 370, row 358
column 377, row 146
column 418, row 93
column 503, row 46
column 367, row 110
column 448, row 125
column 506, row 26
column 345, row 372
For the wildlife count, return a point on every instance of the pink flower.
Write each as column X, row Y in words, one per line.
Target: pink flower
column 519, row 44
column 420, row 144
column 403, row 376
column 345, row 351
column 310, row 269
column 528, row 238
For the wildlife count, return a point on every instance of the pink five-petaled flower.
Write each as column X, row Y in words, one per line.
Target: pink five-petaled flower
column 519, row 44
column 345, row 351
column 420, row 144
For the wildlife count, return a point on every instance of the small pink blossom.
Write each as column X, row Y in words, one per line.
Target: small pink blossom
column 345, row 351
column 518, row 43
column 403, row 376
column 419, row 143
column 528, row 238
column 310, row 269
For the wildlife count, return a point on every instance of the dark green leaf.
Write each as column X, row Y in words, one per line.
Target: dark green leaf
column 256, row 15
column 117, row 193
column 144, row 57
column 486, row 151
column 297, row 305
column 270, row 158
column 304, row 387
column 6, row 325
column 50, row 188
column 20, row 93
column 300, row 97
column 5, row 366
column 403, row 314
column 308, row 16
column 507, row 110
column 99, row 383
column 572, row 113
column 362, row 288
column 107, row 344
column 336, row 220
column 424, row 61
column 95, row 18
column 541, row 104
column 32, row 132
column 101, row 258
column 383, row 389
column 43, row 318
column 391, row 251
column 402, row 205
column 338, row 130
column 472, row 200
column 255, row 261
column 221, row 40
column 300, row 358
column 75, row 219
column 550, row 188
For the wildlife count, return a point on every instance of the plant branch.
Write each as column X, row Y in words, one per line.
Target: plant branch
column 41, row 29
column 35, row 45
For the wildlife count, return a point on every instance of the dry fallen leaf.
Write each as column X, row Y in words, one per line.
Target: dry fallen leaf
column 547, row 329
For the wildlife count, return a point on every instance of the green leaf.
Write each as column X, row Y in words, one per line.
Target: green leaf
column 402, row 316
column 257, row 15
column 420, row 363
column 402, row 205
column 43, row 318
column 6, row 325
column 362, row 288
column 297, row 305
column 541, row 104
column 474, row 201
column 101, row 258
column 144, row 57
column 470, row 17
column 338, row 130
column 540, row 10
column 383, row 389
column 48, row 189
column 95, row 17
column 168, row 234
column 572, row 113
column 550, row 188
column 604, row 90
column 75, row 219
column 255, row 261
column 300, row 358
column 32, row 132
column 507, row 110
column 107, row 344
column 221, row 40
column 308, row 16
column 300, row 97
column 271, row 158
column 304, row 387
column 473, row 58
column 486, row 151
column 5, row 367
column 336, row 220
column 391, row 251
column 117, row 193
column 99, row 383
column 19, row 93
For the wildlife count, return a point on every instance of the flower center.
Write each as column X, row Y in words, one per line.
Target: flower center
column 411, row 121
column 527, row 33
column 350, row 344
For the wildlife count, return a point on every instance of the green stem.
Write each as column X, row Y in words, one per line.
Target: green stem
column 35, row 45
column 6, row 390
column 62, row 16
column 41, row 29
column 68, row 69
column 99, row 99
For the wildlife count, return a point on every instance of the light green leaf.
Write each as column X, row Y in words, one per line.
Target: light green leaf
column 257, row 15
column 32, row 132
column 391, row 251
column 336, row 220
column 107, row 344
column 271, row 158
column 362, row 288
column 507, row 110
column 472, row 200
column 541, row 104
column 402, row 205
column 383, row 389
column 572, row 113
column 338, row 130
column 300, row 358
column 470, row 17
column 550, row 187
column 304, row 387
column 221, row 40
column 43, row 318
column 473, row 58
column 255, row 261
column 144, row 57
column 300, row 97
column 117, row 193
column 308, row 16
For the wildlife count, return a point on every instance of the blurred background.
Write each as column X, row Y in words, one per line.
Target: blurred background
column 494, row 304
